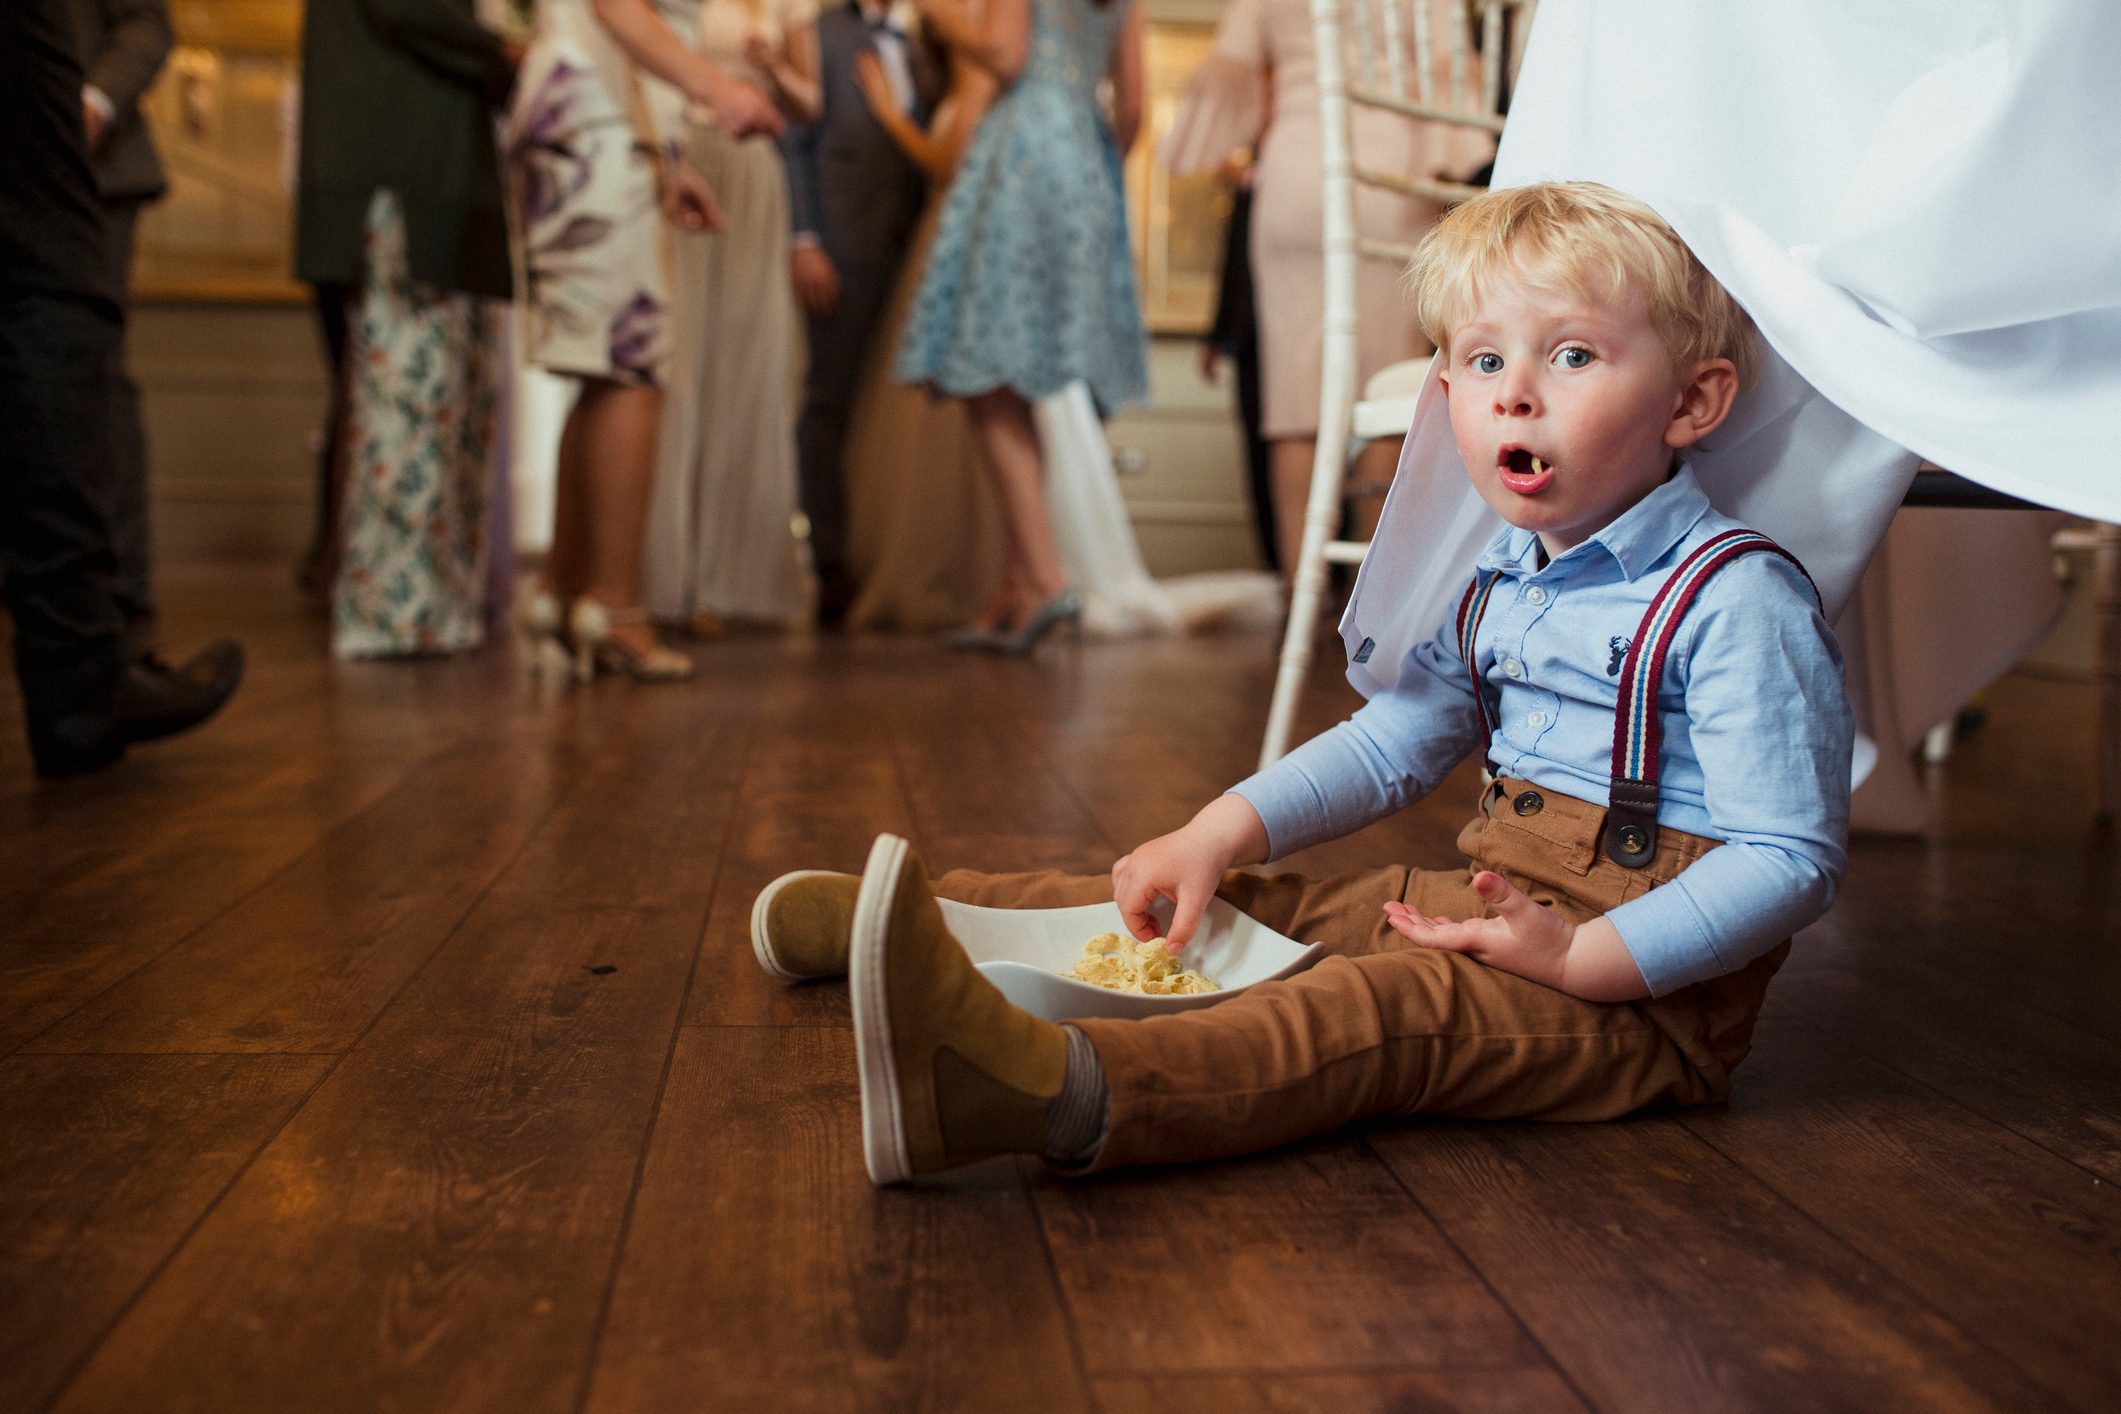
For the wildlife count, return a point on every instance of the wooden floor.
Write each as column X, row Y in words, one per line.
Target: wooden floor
column 395, row 1043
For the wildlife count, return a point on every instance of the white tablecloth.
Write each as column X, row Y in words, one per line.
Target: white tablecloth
column 1919, row 203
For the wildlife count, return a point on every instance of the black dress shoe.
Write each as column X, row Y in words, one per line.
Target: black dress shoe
column 836, row 594
column 151, row 700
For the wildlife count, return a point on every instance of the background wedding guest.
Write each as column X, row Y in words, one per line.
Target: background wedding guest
column 398, row 200
column 1030, row 283
column 1234, row 336
column 924, row 535
column 721, row 543
column 593, row 139
column 1229, row 105
column 121, row 45
column 88, row 691
column 855, row 198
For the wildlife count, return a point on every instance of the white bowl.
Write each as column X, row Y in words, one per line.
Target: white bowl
column 1023, row 951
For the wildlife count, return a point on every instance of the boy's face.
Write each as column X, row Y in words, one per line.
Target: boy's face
column 1567, row 411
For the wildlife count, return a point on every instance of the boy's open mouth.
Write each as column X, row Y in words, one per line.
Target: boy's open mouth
column 1522, row 470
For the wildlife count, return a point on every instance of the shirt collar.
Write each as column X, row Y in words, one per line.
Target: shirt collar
column 1637, row 539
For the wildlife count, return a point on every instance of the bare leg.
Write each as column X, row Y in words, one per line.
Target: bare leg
column 1289, row 461
column 565, row 565
column 1009, row 437
column 1374, row 466
column 615, row 451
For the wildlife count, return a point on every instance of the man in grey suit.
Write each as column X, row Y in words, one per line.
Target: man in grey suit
column 854, row 199
column 121, row 45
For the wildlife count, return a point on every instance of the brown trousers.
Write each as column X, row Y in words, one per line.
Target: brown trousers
column 1381, row 1026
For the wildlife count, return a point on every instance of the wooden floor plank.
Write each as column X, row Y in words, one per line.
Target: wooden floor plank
column 451, row 1220
column 762, row 1267
column 436, row 1228
column 1658, row 1274
column 1305, row 1261
column 306, row 961
column 816, row 792
column 2015, row 1064
column 1997, row 1234
column 1411, row 1392
column 108, row 1161
column 70, row 942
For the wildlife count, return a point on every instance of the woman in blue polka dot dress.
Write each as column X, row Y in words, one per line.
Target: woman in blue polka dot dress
column 1030, row 283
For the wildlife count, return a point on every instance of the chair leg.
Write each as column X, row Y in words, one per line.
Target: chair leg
column 2106, row 664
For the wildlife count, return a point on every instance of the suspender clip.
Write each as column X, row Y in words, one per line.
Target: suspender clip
column 1631, row 823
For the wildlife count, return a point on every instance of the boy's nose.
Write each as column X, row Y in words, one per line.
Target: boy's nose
column 1514, row 396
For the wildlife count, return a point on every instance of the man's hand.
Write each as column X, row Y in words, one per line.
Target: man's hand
column 741, row 110
column 92, row 124
column 1211, row 359
column 687, row 199
column 817, row 284
column 1530, row 940
column 1186, row 866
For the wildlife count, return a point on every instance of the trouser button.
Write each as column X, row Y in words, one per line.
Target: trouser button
column 1529, row 802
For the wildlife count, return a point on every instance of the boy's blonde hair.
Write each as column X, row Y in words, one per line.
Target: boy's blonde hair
column 1589, row 239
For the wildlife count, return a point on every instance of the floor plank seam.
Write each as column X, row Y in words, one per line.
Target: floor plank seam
column 94, row 1346
column 597, row 1327
column 132, row 1301
column 232, row 905
column 1025, row 1168
column 1885, row 1063
column 1864, row 1261
column 1561, row 1371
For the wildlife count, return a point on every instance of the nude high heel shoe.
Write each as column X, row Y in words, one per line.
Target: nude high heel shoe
column 539, row 620
column 590, row 624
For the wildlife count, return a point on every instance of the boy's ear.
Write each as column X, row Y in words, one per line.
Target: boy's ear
column 1703, row 403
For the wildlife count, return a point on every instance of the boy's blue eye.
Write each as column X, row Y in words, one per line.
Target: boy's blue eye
column 1574, row 357
column 1487, row 363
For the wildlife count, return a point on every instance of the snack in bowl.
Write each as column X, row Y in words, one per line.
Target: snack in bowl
column 1122, row 964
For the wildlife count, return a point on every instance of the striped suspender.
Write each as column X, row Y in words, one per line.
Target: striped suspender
column 1470, row 609
column 1631, row 815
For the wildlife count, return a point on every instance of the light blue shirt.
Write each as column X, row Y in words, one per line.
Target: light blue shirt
column 1757, row 731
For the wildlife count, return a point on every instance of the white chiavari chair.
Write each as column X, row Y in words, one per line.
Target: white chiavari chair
column 1429, row 61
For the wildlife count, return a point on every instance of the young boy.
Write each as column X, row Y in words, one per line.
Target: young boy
column 1660, row 702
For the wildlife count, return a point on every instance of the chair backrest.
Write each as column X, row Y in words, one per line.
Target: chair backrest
column 1434, row 61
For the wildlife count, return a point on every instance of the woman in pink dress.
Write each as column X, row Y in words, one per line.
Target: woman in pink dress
column 1231, row 104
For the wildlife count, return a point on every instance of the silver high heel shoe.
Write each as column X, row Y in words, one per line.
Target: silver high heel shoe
column 590, row 625
column 1064, row 608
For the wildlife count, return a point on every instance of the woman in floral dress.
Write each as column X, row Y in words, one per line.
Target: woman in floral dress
column 593, row 147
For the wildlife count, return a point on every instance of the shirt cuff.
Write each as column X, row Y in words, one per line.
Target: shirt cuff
column 1669, row 939
column 97, row 99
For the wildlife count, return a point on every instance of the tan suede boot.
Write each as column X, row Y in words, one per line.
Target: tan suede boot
column 800, row 923
column 950, row 1071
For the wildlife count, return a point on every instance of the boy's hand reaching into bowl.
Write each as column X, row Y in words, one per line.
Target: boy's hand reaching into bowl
column 1186, row 866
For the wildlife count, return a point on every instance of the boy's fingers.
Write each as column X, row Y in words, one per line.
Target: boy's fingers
column 1191, row 904
column 1500, row 894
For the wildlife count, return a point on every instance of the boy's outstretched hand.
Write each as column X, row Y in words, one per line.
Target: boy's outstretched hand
column 1587, row 960
column 1185, row 866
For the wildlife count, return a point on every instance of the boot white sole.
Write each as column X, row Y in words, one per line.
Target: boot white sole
column 761, row 936
column 883, row 1111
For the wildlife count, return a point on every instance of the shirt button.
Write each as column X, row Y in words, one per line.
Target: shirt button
column 1535, row 595
column 1537, row 719
column 1511, row 668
